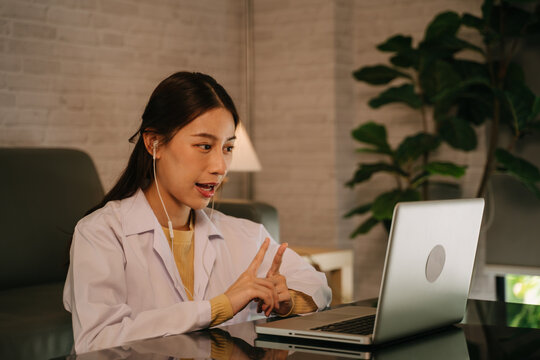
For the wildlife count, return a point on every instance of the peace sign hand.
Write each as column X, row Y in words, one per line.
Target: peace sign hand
column 279, row 281
column 249, row 287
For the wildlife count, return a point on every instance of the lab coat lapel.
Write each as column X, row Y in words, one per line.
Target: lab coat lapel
column 139, row 218
column 205, row 253
column 161, row 247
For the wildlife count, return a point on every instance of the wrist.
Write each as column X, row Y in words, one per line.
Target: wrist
column 291, row 309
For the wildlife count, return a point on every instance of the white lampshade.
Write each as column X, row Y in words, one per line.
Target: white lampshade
column 244, row 156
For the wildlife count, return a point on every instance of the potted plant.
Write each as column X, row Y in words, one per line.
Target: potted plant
column 458, row 95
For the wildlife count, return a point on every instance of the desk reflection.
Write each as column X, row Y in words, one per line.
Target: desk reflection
column 241, row 342
column 233, row 342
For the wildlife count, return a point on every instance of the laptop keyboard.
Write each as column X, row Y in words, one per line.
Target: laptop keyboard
column 360, row 326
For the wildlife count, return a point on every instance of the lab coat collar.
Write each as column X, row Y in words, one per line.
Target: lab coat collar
column 139, row 217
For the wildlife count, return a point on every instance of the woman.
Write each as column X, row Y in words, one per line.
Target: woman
column 124, row 282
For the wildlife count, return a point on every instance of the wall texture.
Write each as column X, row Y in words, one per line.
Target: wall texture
column 78, row 73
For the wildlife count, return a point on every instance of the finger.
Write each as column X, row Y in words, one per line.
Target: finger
column 276, row 299
column 276, row 263
column 264, row 282
column 284, row 296
column 266, row 295
column 278, row 280
column 258, row 259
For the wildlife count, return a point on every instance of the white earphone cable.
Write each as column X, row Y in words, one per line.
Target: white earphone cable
column 171, row 232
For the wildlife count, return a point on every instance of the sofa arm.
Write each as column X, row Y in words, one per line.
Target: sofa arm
column 256, row 211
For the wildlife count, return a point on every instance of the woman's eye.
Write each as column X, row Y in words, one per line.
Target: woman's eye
column 205, row 146
column 229, row 148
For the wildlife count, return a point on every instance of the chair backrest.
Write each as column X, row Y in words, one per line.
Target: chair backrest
column 259, row 212
column 43, row 192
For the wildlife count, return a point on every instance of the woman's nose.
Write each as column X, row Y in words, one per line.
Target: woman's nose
column 219, row 164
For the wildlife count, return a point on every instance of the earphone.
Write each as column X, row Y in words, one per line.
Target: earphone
column 169, row 222
column 171, row 232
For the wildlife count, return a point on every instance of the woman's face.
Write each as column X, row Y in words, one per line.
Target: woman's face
column 193, row 164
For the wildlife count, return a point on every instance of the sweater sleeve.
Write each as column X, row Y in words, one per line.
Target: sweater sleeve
column 302, row 303
column 221, row 309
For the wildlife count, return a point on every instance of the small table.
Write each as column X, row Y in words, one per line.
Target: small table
column 338, row 266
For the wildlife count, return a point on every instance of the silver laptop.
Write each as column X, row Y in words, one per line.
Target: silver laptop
column 425, row 283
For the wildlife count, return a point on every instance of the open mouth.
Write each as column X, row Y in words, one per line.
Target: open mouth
column 207, row 190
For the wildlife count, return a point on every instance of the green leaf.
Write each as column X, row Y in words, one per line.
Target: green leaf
column 476, row 106
column 378, row 74
column 451, row 92
column 472, row 21
column 362, row 209
column 404, row 93
column 436, row 77
column 372, row 151
column 396, row 43
column 515, row 76
column 412, row 147
column 446, row 46
column 520, row 103
column 445, row 168
column 419, row 179
column 444, row 24
column 383, row 206
column 373, row 134
column 533, row 188
column 518, row 167
column 487, row 8
column 535, row 110
column 365, row 171
column 364, row 228
column 406, row 59
column 471, row 69
column 458, row 133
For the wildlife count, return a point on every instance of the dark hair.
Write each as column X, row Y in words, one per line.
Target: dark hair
column 175, row 102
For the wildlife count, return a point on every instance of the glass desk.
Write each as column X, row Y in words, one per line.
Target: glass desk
column 490, row 330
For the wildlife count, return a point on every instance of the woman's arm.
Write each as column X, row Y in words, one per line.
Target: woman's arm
column 96, row 293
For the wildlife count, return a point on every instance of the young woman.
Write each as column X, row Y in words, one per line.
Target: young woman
column 150, row 261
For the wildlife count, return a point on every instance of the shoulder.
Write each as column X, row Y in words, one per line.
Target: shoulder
column 110, row 216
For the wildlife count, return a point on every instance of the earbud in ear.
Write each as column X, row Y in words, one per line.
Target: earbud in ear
column 154, row 148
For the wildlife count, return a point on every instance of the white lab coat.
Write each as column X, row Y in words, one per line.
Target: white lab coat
column 123, row 283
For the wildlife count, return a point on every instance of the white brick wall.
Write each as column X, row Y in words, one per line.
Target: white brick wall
column 78, row 73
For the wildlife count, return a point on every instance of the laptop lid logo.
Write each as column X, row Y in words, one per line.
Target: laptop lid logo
column 435, row 263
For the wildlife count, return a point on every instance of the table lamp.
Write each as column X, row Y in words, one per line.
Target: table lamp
column 244, row 159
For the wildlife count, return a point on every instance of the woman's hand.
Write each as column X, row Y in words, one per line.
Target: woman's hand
column 279, row 281
column 249, row 287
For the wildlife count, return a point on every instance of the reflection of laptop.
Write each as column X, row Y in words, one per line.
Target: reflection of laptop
column 447, row 344
column 425, row 282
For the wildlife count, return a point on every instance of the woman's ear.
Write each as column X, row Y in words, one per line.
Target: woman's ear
column 151, row 143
